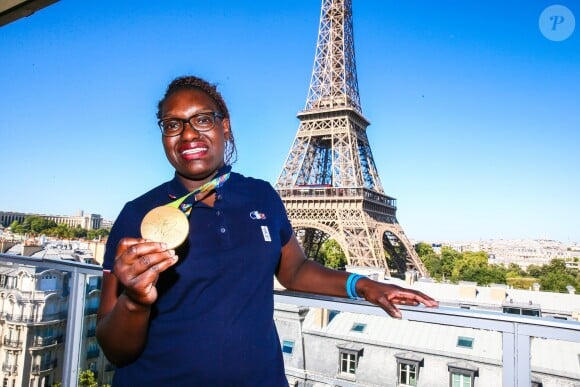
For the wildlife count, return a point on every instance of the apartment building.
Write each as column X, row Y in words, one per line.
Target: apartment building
column 86, row 221
column 523, row 252
column 34, row 303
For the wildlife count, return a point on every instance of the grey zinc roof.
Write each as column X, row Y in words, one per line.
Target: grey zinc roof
column 411, row 335
column 552, row 356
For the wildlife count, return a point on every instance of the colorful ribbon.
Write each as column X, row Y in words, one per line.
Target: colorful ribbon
column 207, row 187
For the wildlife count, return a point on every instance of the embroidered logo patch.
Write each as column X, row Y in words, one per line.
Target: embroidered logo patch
column 257, row 215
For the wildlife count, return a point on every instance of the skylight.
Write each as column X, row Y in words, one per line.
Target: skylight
column 358, row 327
column 465, row 342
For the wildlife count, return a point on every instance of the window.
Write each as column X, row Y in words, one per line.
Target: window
column 462, row 374
column 93, row 346
column 287, row 347
column 465, row 342
column 460, row 380
column 536, row 382
column 348, row 363
column 46, row 357
column 49, row 282
column 332, row 314
column 523, row 311
column 349, row 355
column 407, row 374
column 531, row 312
column 512, row 310
column 408, row 366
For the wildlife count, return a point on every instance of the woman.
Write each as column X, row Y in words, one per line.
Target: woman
column 202, row 314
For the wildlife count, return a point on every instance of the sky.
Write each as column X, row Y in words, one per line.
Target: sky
column 474, row 105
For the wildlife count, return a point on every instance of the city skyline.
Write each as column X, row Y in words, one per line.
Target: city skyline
column 472, row 107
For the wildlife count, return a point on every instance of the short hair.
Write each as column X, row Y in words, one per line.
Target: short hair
column 191, row 82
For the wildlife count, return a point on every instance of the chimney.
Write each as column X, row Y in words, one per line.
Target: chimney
column 467, row 289
column 498, row 292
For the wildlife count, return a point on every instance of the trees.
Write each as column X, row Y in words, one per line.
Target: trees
column 98, row 234
column 432, row 261
column 468, row 261
column 332, row 256
column 455, row 266
column 556, row 277
column 36, row 225
column 86, row 379
column 33, row 225
column 485, row 275
column 17, row 228
column 424, row 249
column 473, row 266
column 448, row 259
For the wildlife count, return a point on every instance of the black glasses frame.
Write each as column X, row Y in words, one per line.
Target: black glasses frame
column 191, row 123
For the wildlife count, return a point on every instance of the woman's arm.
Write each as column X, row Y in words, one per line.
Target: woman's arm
column 126, row 298
column 296, row 272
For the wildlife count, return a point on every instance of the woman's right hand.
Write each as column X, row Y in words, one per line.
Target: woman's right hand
column 137, row 266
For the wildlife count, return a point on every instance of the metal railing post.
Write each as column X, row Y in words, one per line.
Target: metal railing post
column 509, row 372
column 523, row 359
column 74, row 329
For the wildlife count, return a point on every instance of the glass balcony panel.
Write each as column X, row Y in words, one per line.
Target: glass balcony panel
column 555, row 362
column 42, row 301
column 441, row 347
column 333, row 341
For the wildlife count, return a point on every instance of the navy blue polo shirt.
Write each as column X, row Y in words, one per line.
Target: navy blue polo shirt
column 212, row 324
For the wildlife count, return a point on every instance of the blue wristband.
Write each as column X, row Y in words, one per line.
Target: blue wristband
column 351, row 285
column 347, row 286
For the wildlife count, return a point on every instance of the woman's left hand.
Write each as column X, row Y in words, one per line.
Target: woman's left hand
column 388, row 295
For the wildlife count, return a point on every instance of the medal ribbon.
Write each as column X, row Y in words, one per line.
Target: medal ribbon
column 207, row 187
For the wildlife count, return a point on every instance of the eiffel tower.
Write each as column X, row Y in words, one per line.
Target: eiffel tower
column 329, row 183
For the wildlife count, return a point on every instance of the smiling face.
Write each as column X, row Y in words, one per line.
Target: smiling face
column 195, row 156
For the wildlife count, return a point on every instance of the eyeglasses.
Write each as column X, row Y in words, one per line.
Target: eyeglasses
column 202, row 122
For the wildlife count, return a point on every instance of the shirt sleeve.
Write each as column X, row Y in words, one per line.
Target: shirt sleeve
column 286, row 230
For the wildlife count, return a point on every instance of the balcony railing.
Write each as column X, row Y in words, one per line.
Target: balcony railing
column 9, row 368
column 10, row 343
column 327, row 192
column 21, row 318
column 515, row 332
column 93, row 353
column 44, row 367
column 41, row 342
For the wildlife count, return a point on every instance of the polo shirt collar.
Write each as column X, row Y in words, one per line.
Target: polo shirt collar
column 175, row 189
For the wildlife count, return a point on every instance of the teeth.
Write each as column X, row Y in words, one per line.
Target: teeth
column 193, row 151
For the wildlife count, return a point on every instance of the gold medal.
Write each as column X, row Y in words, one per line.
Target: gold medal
column 165, row 224
column 169, row 224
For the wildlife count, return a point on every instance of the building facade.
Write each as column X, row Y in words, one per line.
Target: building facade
column 523, row 252
column 86, row 221
column 33, row 322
